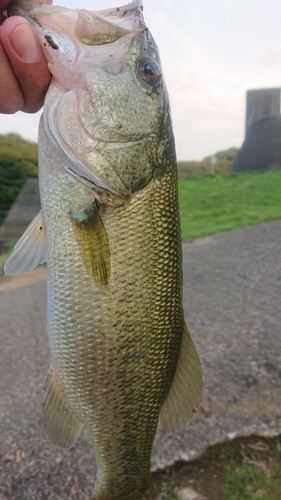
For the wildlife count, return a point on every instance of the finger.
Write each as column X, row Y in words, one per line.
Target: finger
column 27, row 61
column 11, row 95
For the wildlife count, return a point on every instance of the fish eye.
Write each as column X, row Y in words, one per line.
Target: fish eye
column 149, row 71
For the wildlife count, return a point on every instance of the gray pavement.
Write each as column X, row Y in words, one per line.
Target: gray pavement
column 232, row 287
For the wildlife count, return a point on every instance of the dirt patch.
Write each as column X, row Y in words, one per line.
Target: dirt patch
column 242, row 469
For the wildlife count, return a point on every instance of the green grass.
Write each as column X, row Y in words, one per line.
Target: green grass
column 258, row 476
column 243, row 483
column 211, row 204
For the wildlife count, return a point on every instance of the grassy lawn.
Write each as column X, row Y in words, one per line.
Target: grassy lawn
column 211, row 204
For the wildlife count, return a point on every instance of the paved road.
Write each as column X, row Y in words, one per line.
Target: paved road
column 232, row 287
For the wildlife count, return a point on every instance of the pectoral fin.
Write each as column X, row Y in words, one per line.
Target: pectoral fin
column 93, row 243
column 60, row 424
column 30, row 250
column 185, row 393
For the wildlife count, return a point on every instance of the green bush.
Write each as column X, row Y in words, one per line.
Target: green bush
column 14, row 147
column 12, row 178
column 18, row 160
column 219, row 164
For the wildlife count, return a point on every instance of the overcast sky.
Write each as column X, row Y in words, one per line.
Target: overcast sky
column 212, row 51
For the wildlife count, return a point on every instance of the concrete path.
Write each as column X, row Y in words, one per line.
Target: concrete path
column 232, row 287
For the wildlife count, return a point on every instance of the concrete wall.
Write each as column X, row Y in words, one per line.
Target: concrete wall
column 23, row 211
column 262, row 103
column 261, row 149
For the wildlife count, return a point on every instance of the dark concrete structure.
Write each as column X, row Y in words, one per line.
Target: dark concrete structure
column 261, row 149
column 23, row 211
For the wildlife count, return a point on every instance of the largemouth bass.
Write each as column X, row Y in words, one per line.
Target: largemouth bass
column 109, row 231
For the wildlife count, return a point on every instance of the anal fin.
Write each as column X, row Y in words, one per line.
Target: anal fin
column 185, row 395
column 60, row 424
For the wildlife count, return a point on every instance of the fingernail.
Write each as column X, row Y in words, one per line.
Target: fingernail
column 24, row 43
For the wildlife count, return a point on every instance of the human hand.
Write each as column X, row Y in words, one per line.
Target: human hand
column 24, row 75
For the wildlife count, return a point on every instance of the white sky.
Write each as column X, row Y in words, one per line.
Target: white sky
column 212, row 51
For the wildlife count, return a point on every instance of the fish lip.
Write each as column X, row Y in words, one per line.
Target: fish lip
column 124, row 8
column 27, row 5
column 24, row 7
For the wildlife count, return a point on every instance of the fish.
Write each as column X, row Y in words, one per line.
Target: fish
column 109, row 230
